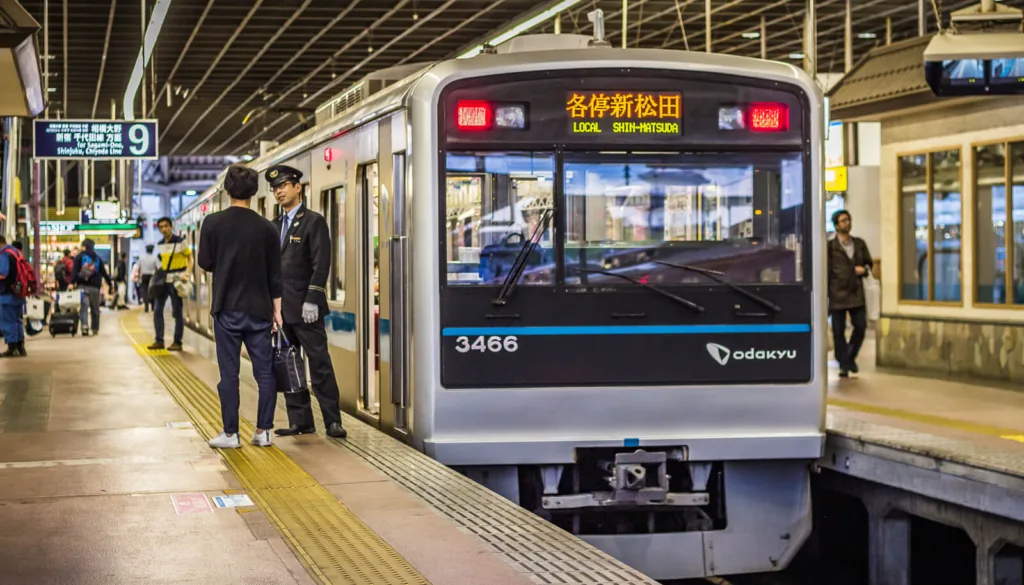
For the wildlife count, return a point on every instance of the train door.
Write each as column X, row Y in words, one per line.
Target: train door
column 368, row 323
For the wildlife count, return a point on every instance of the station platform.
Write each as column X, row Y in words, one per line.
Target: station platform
column 106, row 478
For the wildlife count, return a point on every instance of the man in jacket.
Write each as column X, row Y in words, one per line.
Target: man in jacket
column 12, row 307
column 88, row 274
column 849, row 263
column 305, row 266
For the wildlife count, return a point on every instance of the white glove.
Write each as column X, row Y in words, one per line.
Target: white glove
column 309, row 312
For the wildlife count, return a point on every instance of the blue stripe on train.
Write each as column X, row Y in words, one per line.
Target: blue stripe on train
column 346, row 322
column 628, row 329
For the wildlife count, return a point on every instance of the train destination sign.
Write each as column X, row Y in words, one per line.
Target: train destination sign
column 625, row 112
column 95, row 139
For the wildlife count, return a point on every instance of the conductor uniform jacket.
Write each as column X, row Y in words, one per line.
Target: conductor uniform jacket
column 305, row 264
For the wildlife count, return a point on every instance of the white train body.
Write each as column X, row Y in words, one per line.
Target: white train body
column 676, row 438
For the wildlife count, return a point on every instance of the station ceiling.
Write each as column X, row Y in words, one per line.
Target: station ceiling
column 276, row 60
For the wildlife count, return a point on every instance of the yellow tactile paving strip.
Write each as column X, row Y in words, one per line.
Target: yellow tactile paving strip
column 334, row 544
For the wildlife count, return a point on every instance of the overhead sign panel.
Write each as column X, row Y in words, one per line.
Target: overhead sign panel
column 95, row 139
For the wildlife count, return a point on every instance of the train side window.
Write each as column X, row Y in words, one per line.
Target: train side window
column 332, row 205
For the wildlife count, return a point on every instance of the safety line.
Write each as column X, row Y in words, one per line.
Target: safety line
column 931, row 419
column 334, row 544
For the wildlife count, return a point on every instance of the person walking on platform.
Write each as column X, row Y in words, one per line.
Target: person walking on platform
column 121, row 281
column 849, row 263
column 305, row 266
column 88, row 274
column 12, row 307
column 175, row 265
column 62, row 270
column 241, row 250
column 147, row 268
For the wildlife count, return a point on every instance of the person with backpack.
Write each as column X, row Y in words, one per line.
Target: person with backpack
column 17, row 282
column 62, row 271
column 88, row 274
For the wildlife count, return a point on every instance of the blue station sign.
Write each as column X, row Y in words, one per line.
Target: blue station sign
column 94, row 139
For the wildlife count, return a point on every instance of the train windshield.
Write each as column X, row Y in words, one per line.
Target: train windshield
column 738, row 214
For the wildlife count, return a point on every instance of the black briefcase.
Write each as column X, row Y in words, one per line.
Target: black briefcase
column 289, row 366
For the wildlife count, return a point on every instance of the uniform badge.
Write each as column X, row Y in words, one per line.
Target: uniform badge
column 273, row 174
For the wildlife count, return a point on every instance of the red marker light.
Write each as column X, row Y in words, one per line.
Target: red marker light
column 768, row 117
column 202, row 208
column 473, row 115
column 328, row 154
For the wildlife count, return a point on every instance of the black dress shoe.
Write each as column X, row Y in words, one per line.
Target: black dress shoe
column 336, row 431
column 294, row 430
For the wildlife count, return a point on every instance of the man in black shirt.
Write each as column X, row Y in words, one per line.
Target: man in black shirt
column 241, row 249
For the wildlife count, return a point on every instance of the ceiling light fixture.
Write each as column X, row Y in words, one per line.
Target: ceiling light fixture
column 796, row 55
column 867, row 35
column 751, row 35
column 522, row 27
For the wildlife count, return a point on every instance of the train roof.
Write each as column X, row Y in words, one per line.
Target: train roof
column 529, row 56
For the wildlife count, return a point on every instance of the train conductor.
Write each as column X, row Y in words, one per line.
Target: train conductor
column 305, row 267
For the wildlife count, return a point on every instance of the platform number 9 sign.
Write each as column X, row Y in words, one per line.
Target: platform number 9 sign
column 138, row 136
column 492, row 344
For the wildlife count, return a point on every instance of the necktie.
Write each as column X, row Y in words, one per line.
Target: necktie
column 284, row 229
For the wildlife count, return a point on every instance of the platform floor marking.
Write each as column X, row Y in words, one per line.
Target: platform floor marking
column 333, row 543
column 931, row 419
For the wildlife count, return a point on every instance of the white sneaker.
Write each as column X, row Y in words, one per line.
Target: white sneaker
column 225, row 441
column 261, row 438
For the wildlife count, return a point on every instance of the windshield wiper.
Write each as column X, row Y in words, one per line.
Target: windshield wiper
column 519, row 264
column 685, row 302
column 717, row 277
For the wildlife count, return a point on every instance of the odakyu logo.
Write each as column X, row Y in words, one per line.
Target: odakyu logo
column 722, row 354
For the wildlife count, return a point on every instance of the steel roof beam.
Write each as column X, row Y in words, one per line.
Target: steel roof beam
column 181, row 57
column 280, row 70
column 195, row 90
column 315, row 71
column 103, row 59
column 266, row 47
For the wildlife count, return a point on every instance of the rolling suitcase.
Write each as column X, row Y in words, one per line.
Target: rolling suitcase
column 62, row 323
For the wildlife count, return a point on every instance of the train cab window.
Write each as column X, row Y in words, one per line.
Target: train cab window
column 738, row 214
column 495, row 203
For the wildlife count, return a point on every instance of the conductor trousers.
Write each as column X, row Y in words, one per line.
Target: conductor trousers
column 311, row 338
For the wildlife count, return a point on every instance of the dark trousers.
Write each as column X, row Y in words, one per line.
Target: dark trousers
column 231, row 329
column 846, row 353
column 312, row 339
column 158, row 314
column 144, row 296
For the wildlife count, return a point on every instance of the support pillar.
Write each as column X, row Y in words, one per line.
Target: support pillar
column 922, row 24
column 889, row 547
column 811, row 39
column 707, row 25
column 764, row 38
column 848, row 38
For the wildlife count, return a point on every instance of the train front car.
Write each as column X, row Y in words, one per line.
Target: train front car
column 627, row 333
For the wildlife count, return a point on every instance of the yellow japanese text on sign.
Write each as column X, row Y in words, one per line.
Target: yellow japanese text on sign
column 596, row 112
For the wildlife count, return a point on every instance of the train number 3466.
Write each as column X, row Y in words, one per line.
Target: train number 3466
column 493, row 344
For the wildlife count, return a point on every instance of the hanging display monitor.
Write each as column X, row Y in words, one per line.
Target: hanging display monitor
column 95, row 139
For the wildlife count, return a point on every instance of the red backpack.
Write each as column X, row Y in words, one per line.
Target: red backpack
column 24, row 283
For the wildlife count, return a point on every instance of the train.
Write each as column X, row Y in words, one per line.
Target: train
column 590, row 278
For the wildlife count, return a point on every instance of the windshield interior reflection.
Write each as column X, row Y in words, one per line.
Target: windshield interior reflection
column 740, row 214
